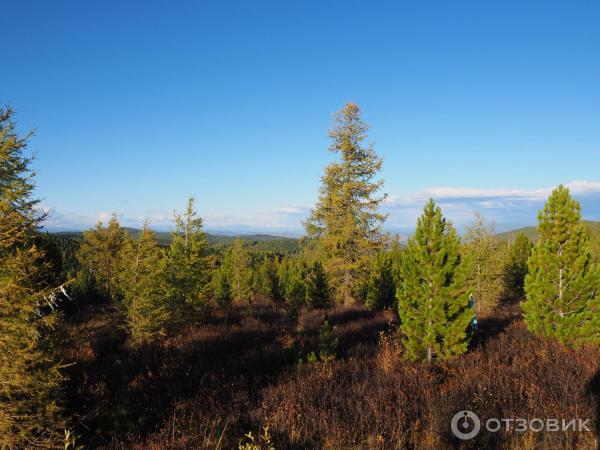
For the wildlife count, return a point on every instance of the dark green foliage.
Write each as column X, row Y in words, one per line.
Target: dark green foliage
column 328, row 343
column 381, row 288
column 317, row 293
column 266, row 281
column 295, row 289
column 396, row 252
column 302, row 284
column 516, row 267
column 61, row 255
column 432, row 302
column 562, row 285
column 222, row 288
column 256, row 242
column 595, row 242
column 291, row 284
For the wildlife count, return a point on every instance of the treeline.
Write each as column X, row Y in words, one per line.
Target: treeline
column 258, row 242
column 437, row 285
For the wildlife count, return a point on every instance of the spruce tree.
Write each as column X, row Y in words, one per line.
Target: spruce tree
column 486, row 260
column 432, row 300
column 516, row 266
column 381, row 288
column 187, row 270
column 146, row 308
column 562, row 285
column 30, row 379
column 99, row 254
column 316, row 287
column 346, row 223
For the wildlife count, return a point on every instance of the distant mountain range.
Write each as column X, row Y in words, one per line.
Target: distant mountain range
column 164, row 237
column 532, row 233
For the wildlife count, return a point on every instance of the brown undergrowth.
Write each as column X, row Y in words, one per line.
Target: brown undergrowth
column 208, row 385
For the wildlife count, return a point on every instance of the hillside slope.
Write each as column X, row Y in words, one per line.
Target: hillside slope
column 531, row 232
column 164, row 238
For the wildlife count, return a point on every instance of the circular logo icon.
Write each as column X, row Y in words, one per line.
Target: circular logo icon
column 465, row 425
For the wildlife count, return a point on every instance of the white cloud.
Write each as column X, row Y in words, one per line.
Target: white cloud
column 285, row 221
column 508, row 207
column 506, row 196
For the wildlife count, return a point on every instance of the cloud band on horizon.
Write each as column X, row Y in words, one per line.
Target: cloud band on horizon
column 506, row 207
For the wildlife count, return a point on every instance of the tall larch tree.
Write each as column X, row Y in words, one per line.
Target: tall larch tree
column 30, row 380
column 187, row 270
column 345, row 222
column 486, row 258
column 562, row 285
column 241, row 271
column 99, row 254
column 433, row 302
column 145, row 305
column 516, row 266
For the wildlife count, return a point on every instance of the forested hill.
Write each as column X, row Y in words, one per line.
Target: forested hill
column 262, row 241
column 532, row 233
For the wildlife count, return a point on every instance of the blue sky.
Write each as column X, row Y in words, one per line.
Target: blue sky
column 483, row 105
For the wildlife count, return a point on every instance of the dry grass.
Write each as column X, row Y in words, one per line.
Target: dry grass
column 206, row 386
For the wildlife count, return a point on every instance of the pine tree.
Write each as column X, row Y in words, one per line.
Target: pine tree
column 345, row 222
column 562, row 285
column 432, row 299
column 187, row 271
column 241, row 272
column 99, row 254
column 595, row 241
column 516, row 267
column 486, row 258
column 30, row 379
column 328, row 343
column 146, row 308
column 222, row 288
column 316, row 287
column 381, row 288
column 396, row 253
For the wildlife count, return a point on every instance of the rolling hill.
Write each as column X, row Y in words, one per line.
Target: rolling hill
column 164, row 237
column 531, row 232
